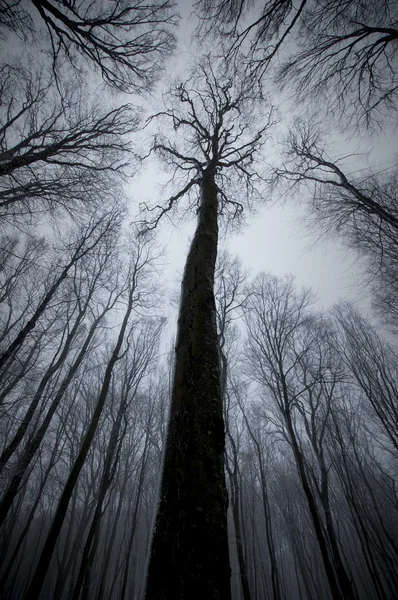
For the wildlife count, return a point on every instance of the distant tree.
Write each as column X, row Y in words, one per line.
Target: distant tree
column 89, row 236
column 126, row 42
column 143, row 341
column 366, row 485
column 136, row 279
column 371, row 363
column 22, row 280
column 231, row 298
column 261, row 452
column 283, row 355
column 214, row 149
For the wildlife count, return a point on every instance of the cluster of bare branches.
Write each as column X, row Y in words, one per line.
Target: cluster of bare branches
column 52, row 344
column 60, row 146
column 361, row 207
column 57, row 151
column 212, row 117
column 351, row 48
column 125, row 42
column 347, row 48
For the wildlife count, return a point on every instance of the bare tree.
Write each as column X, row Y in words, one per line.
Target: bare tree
column 231, row 297
column 369, row 492
column 281, row 337
column 126, row 42
column 361, row 208
column 88, row 238
column 22, row 280
column 261, row 451
column 189, row 552
column 140, row 262
column 143, row 341
column 58, row 148
column 57, row 363
column 349, row 47
column 341, row 199
column 342, row 46
column 371, row 363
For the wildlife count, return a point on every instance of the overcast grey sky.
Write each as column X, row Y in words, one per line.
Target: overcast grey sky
column 275, row 238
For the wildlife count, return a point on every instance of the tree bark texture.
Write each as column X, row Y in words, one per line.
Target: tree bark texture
column 189, row 555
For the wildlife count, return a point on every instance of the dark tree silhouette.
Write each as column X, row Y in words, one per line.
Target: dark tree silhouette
column 278, row 350
column 189, row 552
column 126, row 42
column 231, row 299
column 140, row 259
column 347, row 47
column 59, row 149
column 90, row 236
column 362, row 207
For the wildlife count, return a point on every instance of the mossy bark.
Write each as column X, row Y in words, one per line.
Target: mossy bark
column 189, row 555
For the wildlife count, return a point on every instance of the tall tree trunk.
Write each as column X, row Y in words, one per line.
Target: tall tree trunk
column 315, row 517
column 275, row 577
column 79, row 253
column 189, row 554
column 235, row 501
column 83, row 582
column 233, row 475
column 36, row 585
column 346, row 585
column 33, row 444
column 57, row 362
column 322, row 487
column 29, row 521
column 134, row 521
column 109, row 547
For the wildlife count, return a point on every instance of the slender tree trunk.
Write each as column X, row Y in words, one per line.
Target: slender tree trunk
column 110, row 545
column 71, row 548
column 342, row 575
column 78, row 254
column 346, row 586
column 189, row 554
column 54, row 366
column 31, row 324
column 9, row 593
column 238, row 535
column 235, row 501
column 83, row 582
column 233, row 475
column 36, row 585
column 33, row 444
column 28, row 523
column 19, row 376
column 316, row 520
column 134, row 520
column 275, row 577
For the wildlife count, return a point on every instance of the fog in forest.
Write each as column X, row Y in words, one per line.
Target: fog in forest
column 198, row 300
